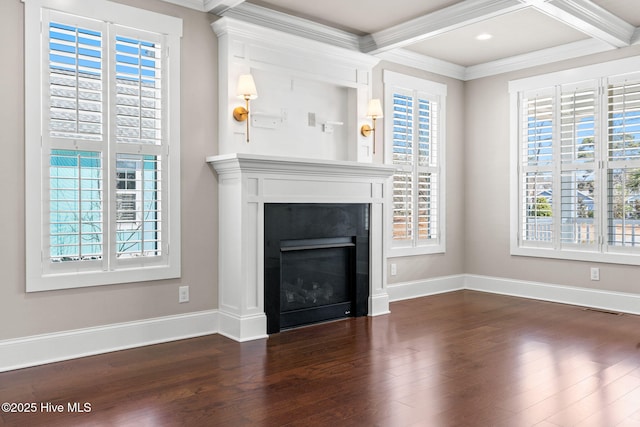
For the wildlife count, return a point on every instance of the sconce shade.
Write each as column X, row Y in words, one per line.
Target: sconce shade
column 374, row 109
column 246, row 87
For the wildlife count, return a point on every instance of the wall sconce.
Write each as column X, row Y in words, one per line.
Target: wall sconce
column 374, row 111
column 246, row 90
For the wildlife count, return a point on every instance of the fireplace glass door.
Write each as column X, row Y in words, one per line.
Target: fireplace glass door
column 316, row 281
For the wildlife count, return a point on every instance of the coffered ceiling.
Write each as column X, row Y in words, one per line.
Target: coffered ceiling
column 442, row 35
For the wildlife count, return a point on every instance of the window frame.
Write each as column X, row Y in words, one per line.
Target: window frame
column 599, row 75
column 434, row 92
column 39, row 274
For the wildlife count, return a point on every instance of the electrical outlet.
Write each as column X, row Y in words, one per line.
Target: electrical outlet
column 394, row 269
column 595, row 273
column 183, row 294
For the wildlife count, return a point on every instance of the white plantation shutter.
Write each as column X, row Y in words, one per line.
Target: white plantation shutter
column 103, row 162
column 74, row 140
column 415, row 152
column 623, row 162
column 536, row 164
column 579, row 190
column 403, row 154
column 138, row 90
column 76, row 79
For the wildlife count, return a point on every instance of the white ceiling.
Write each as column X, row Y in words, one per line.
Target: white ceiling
column 441, row 34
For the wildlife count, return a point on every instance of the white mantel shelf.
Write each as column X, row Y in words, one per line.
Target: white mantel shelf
column 245, row 183
column 262, row 163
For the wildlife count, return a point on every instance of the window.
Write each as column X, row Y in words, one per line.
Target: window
column 577, row 143
column 102, row 144
column 415, row 126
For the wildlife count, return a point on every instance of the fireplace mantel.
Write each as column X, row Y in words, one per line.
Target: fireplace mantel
column 245, row 183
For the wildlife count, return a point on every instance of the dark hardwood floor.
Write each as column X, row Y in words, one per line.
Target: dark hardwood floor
column 458, row 359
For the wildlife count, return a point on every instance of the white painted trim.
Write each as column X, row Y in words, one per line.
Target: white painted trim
column 423, row 62
column 534, row 59
column 589, row 18
column 47, row 348
column 594, row 298
column 379, row 304
column 292, row 25
column 426, row 287
column 242, row 328
column 620, row 302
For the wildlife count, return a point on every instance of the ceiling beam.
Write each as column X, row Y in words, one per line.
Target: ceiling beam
column 219, row 6
column 435, row 23
column 589, row 18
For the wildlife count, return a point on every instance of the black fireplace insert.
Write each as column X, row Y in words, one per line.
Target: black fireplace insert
column 316, row 263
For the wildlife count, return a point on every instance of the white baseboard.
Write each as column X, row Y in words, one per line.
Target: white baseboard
column 242, row 328
column 41, row 349
column 422, row 288
column 378, row 304
column 594, row 298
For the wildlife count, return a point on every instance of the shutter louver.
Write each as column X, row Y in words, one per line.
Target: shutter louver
column 75, row 82
column 139, row 94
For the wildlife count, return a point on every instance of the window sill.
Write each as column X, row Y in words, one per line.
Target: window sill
column 576, row 255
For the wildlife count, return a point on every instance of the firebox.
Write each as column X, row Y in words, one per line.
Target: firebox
column 316, row 263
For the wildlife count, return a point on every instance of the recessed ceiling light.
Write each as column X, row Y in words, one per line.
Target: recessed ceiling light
column 484, row 36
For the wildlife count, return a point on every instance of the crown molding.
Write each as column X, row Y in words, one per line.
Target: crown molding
column 441, row 21
column 423, row 62
column 540, row 57
column 211, row 6
column 300, row 45
column 268, row 18
column 218, row 7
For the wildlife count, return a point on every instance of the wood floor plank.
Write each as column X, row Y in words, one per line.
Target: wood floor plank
column 458, row 359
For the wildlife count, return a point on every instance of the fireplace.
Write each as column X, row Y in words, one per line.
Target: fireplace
column 248, row 184
column 316, row 263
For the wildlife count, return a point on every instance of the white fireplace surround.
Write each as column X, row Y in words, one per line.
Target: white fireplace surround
column 245, row 183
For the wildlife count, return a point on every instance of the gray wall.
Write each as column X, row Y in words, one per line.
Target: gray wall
column 24, row 314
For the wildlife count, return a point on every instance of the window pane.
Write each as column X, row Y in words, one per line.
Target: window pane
column 624, row 207
column 577, row 207
column 402, row 206
column 138, row 206
column 139, row 100
column 538, row 131
column 76, row 205
column 402, row 129
column 427, row 133
column 427, row 206
column 537, row 215
column 75, row 82
column 577, row 133
column 623, row 123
